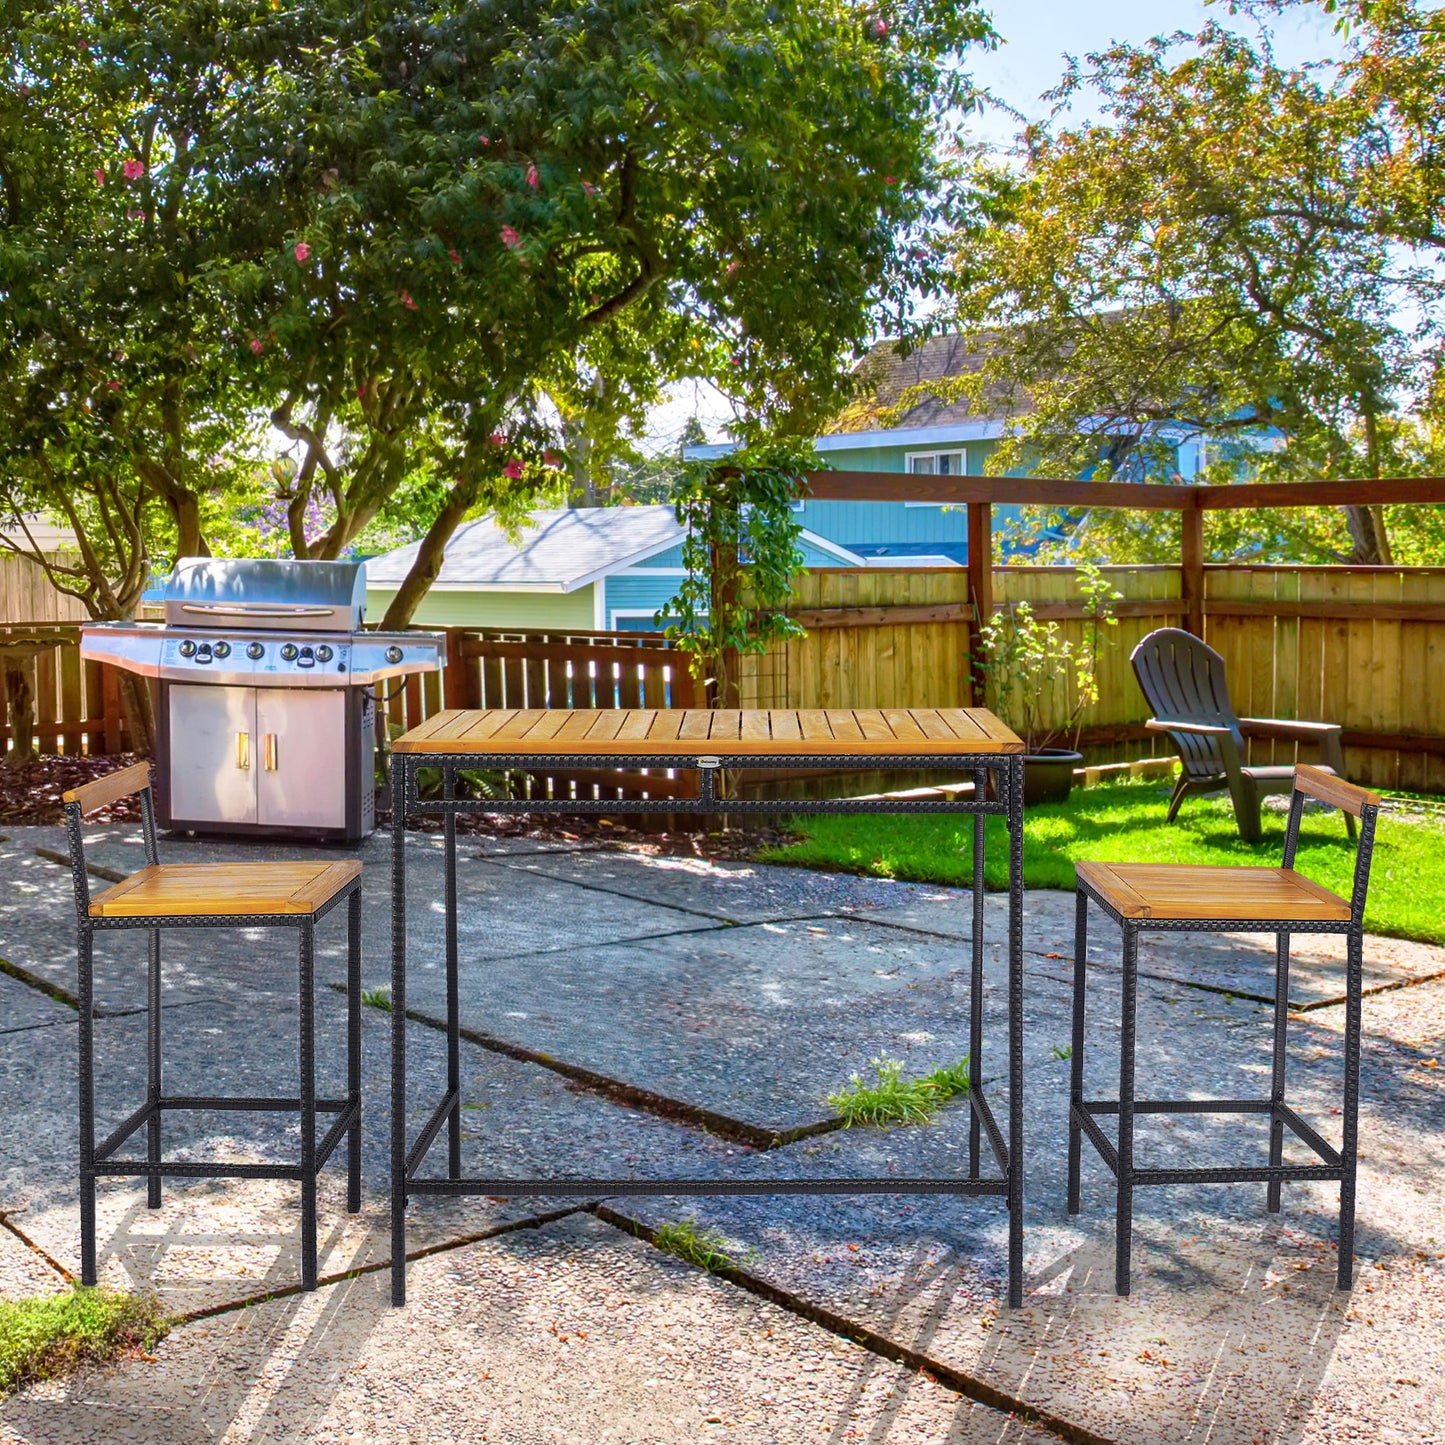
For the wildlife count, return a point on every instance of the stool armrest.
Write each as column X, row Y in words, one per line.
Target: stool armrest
column 120, row 784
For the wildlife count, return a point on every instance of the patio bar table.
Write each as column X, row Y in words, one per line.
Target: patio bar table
column 970, row 741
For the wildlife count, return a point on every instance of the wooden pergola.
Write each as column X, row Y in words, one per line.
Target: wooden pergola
column 980, row 494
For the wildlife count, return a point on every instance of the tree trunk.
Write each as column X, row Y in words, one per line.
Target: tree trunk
column 136, row 705
column 1367, row 532
column 429, row 557
column 21, row 714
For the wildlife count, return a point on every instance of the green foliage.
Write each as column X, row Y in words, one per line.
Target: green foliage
column 888, row 1098
column 1220, row 253
column 1124, row 822
column 377, row 998
column 705, row 1248
column 741, row 553
column 1024, row 658
column 54, row 1334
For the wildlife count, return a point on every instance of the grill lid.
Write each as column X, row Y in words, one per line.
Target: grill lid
column 266, row 593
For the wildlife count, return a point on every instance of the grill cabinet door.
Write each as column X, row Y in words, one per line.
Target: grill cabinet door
column 213, row 754
column 301, row 757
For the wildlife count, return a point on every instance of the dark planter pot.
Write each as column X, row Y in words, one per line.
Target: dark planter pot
column 1049, row 775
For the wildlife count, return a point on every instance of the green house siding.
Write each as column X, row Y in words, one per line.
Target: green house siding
column 556, row 611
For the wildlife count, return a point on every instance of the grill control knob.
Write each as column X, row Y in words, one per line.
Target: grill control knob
column 306, row 659
column 203, row 653
column 255, row 651
column 188, row 648
column 324, row 653
column 288, row 651
column 393, row 654
column 222, row 649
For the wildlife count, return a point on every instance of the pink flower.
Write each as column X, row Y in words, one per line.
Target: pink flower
column 588, row 189
column 483, row 140
column 880, row 28
column 510, row 238
column 99, row 176
column 734, row 267
column 735, row 360
column 498, row 439
column 533, row 179
column 112, row 386
column 513, row 469
column 361, row 390
column 407, row 301
column 133, row 170
column 889, row 181
column 452, row 252
column 302, row 252
column 257, row 346
column 135, row 214
column 551, row 459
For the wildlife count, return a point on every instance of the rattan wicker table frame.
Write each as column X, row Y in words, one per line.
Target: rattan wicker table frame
column 970, row 742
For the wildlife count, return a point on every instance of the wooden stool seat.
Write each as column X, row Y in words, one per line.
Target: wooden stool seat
column 1205, row 892
column 230, row 890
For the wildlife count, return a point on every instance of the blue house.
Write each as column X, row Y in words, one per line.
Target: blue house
column 604, row 569
column 922, row 436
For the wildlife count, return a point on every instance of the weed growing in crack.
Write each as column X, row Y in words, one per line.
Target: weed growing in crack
column 1064, row 1054
column 889, row 1098
column 49, row 1336
column 377, row 998
column 705, row 1248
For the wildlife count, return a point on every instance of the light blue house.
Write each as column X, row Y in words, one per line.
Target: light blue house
column 922, row 436
column 603, row 569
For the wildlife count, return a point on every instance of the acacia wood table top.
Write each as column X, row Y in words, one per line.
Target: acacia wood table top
column 688, row 732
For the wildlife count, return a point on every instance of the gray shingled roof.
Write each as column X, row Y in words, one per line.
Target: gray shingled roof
column 885, row 375
column 556, row 549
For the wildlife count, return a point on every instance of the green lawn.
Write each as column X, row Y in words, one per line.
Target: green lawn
column 1125, row 822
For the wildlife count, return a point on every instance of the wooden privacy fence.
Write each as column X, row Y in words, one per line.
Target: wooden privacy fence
column 1360, row 646
column 498, row 667
column 76, row 705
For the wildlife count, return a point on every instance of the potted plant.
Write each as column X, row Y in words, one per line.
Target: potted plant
column 1027, row 663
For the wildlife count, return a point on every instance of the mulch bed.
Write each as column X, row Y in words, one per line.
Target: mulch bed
column 30, row 793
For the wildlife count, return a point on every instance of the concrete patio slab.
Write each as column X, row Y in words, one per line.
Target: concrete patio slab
column 570, row 1335
column 25, row 1007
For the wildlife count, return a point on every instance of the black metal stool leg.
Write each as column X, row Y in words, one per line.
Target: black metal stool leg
column 85, row 994
column 1349, row 1147
column 1125, row 1213
column 454, row 1020
column 353, row 1050
column 1276, row 1093
column 399, row 778
column 308, row 1105
column 975, row 995
column 1076, row 1055
column 153, row 1067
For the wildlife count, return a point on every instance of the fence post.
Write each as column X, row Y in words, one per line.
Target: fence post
column 1192, row 569
column 461, row 679
column 980, row 591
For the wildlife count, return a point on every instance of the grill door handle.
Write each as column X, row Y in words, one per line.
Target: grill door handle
column 269, row 746
column 243, row 751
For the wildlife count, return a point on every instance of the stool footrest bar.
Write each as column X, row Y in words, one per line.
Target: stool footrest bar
column 337, row 1130
column 450, row 1100
column 199, row 1101
column 1085, row 1120
column 176, row 1170
column 1306, row 1135
column 1183, row 1106
column 1261, row 1174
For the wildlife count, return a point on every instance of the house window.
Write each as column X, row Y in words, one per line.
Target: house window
column 938, row 464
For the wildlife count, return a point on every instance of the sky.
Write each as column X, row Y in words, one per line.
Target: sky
column 1037, row 35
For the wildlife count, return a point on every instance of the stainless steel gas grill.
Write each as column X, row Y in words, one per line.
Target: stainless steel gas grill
column 266, row 720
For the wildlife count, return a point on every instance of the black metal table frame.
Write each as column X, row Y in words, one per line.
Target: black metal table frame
column 1335, row 1164
column 97, row 1159
column 1007, row 802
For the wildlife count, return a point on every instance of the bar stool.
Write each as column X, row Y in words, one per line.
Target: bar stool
column 212, row 895
column 1183, row 899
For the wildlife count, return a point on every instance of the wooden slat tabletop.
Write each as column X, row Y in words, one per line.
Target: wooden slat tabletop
column 688, row 732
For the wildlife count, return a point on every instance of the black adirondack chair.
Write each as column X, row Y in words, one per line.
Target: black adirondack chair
column 1183, row 682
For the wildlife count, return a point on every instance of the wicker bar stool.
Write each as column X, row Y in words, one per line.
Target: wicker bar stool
column 1184, row 899
column 212, row 895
